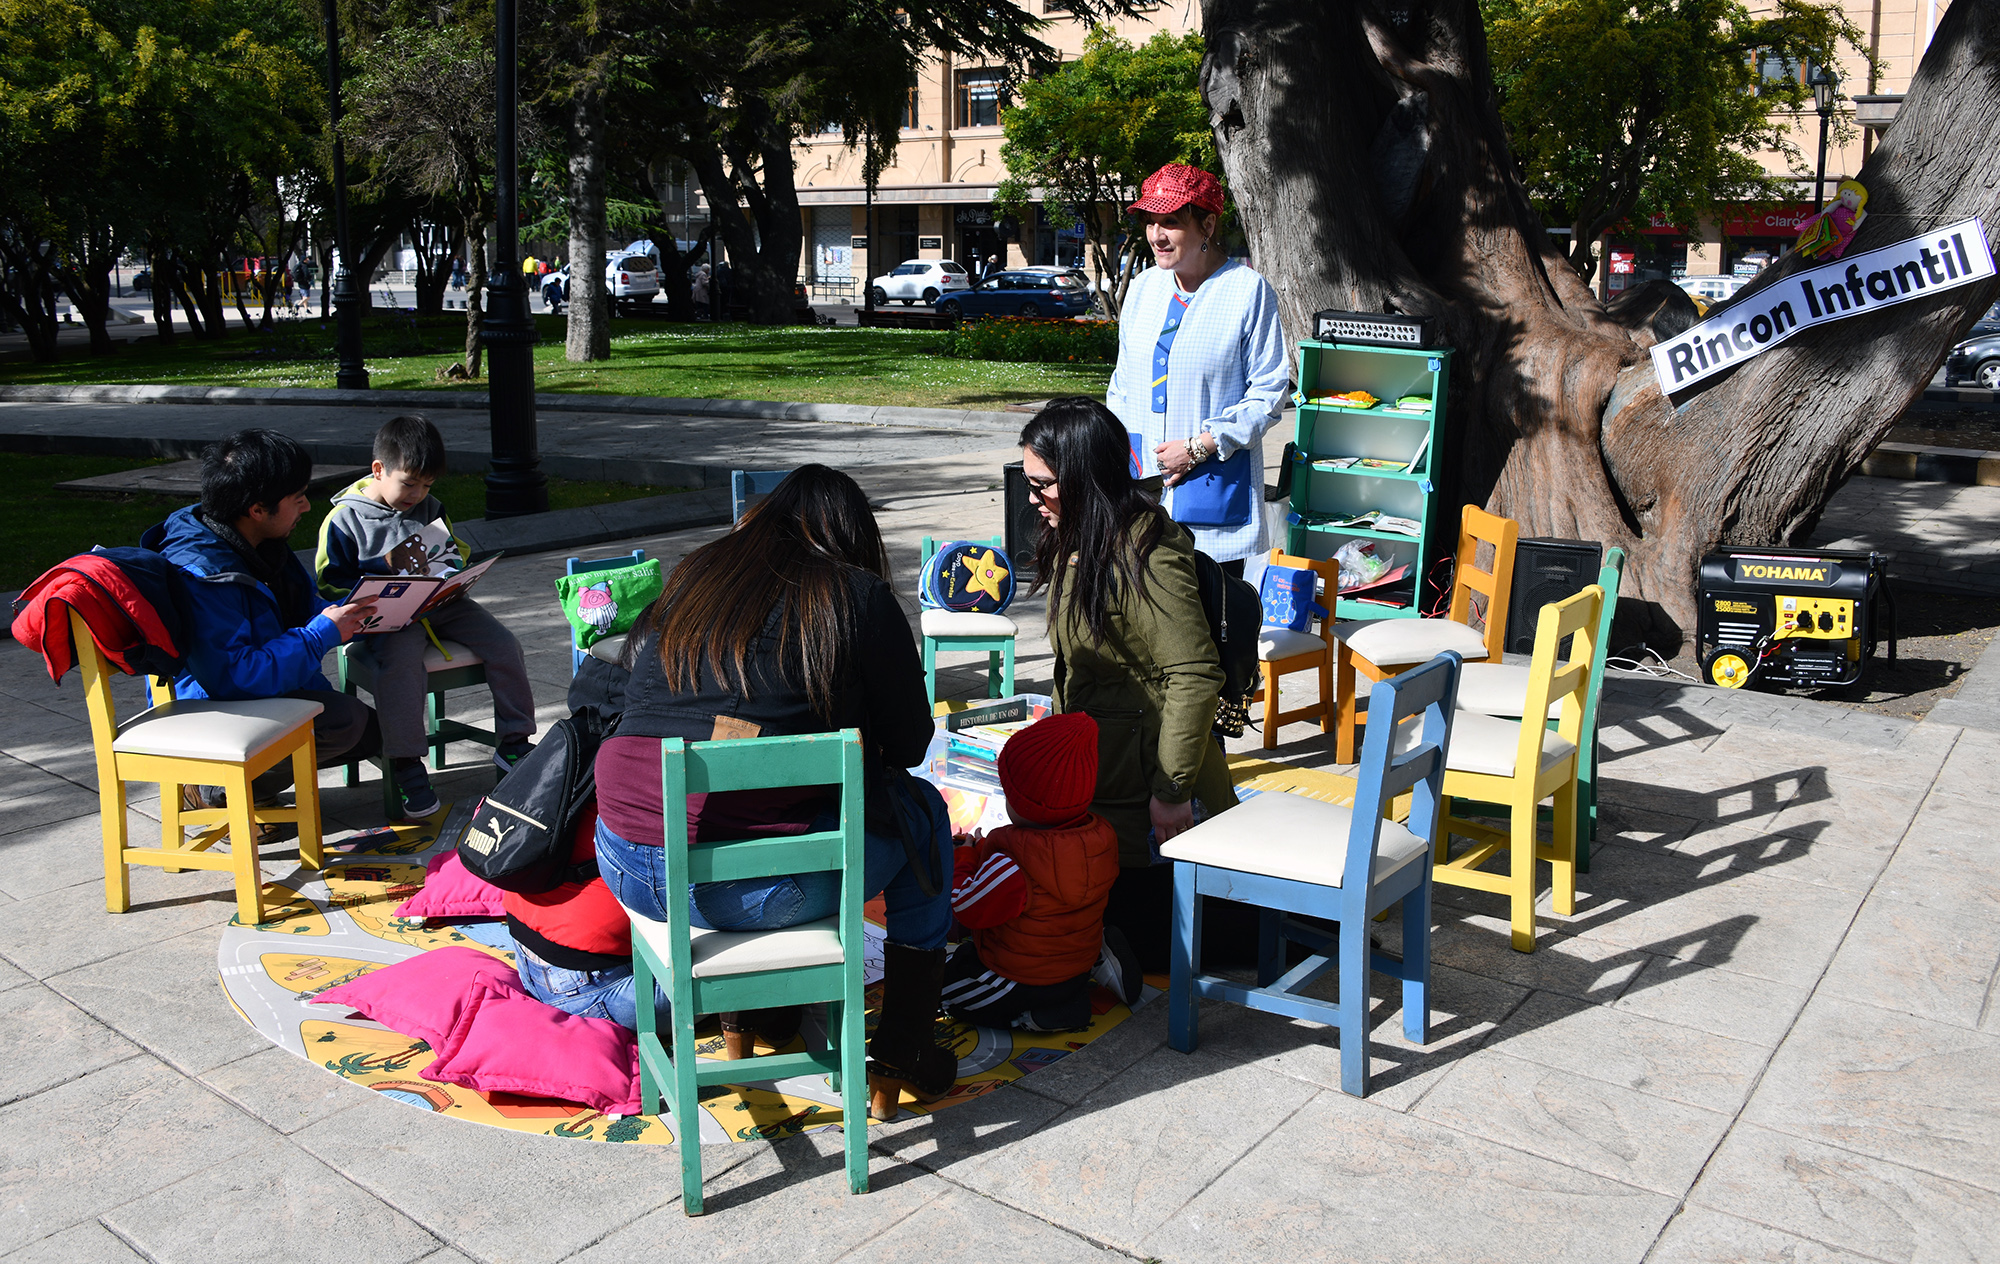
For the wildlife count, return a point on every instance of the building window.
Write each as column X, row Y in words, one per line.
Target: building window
column 910, row 108
column 979, row 100
column 1775, row 67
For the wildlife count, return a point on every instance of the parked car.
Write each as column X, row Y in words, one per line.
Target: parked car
column 920, row 280
column 142, row 282
column 1975, row 362
column 1021, row 293
column 631, row 280
column 1707, row 291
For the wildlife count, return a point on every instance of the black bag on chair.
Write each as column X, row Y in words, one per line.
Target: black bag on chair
column 1234, row 617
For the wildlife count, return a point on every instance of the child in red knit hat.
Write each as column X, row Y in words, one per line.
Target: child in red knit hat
column 1032, row 893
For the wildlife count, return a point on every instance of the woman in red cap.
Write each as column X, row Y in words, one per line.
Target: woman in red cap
column 1201, row 372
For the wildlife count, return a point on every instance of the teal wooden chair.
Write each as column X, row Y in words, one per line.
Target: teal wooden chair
column 1499, row 689
column 1288, row 854
column 711, row 972
column 959, row 631
column 447, row 666
column 610, row 647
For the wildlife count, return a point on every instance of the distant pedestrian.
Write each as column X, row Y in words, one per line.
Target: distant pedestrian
column 458, row 274
column 531, row 266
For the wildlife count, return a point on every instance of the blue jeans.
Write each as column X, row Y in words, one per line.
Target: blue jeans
column 637, row 876
column 609, row 994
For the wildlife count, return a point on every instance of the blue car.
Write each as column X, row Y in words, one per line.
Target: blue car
column 1021, row 294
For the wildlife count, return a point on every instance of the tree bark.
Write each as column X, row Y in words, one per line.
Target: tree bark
column 30, row 294
column 475, row 296
column 1554, row 418
column 589, row 308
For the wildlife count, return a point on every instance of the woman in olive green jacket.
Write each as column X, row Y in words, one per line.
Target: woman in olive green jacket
column 1133, row 650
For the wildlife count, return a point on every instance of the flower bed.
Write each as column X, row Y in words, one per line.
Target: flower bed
column 1036, row 341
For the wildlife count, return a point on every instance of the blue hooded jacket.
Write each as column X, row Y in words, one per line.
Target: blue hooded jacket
column 240, row 645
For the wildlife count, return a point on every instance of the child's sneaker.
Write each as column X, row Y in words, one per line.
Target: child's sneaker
column 1071, row 1015
column 413, row 787
column 1117, row 967
column 511, row 751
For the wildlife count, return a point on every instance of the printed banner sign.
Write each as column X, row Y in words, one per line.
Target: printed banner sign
column 1952, row 256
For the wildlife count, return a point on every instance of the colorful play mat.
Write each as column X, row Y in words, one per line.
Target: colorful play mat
column 326, row 929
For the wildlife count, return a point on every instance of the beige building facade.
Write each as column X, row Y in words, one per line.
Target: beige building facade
column 1897, row 33
column 934, row 199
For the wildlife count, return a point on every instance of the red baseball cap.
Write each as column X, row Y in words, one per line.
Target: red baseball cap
column 1176, row 185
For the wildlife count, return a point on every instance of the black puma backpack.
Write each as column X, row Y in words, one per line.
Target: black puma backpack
column 520, row 835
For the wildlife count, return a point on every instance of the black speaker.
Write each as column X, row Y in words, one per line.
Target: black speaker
column 1546, row 571
column 1024, row 522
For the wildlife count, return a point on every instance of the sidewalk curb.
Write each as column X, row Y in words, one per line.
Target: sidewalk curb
column 555, row 402
column 1976, row 705
column 1969, row 466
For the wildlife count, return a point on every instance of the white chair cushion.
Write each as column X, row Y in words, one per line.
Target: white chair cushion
column 1484, row 743
column 715, row 953
column 434, row 660
column 1407, row 642
column 1276, row 643
column 227, row 732
column 965, row 623
column 1496, row 689
column 1289, row 836
column 610, row 649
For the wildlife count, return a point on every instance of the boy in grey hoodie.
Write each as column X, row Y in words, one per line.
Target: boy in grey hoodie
column 390, row 524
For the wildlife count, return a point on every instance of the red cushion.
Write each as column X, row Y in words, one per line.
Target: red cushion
column 424, row 995
column 452, row 890
column 505, row 1041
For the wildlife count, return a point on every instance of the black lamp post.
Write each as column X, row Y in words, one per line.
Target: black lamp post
column 515, row 483
column 352, row 375
column 1824, row 86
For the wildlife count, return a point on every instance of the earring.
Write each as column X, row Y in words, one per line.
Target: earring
column 1204, row 247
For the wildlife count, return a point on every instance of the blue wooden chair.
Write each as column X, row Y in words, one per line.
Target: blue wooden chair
column 447, row 666
column 610, row 647
column 743, row 484
column 964, row 631
column 1289, row 854
column 710, row 972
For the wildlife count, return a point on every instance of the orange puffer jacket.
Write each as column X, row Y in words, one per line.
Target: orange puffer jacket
column 1067, row 875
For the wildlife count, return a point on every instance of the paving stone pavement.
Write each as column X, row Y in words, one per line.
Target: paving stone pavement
column 1767, row 1032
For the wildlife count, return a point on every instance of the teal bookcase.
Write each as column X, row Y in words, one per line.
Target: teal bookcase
column 1383, row 433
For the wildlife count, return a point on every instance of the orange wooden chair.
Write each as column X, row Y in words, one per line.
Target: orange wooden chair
column 1281, row 652
column 1380, row 648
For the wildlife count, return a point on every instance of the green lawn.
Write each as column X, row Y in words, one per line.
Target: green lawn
column 794, row 363
column 42, row 526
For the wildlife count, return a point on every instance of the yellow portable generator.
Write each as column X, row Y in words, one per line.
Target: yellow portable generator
column 1792, row 616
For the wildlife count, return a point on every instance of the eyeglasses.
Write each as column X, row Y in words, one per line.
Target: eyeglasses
column 1039, row 486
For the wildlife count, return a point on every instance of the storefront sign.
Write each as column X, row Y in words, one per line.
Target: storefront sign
column 930, row 243
column 1779, row 220
column 973, row 217
column 1952, row 256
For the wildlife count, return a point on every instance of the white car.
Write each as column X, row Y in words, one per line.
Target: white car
column 921, row 281
column 1710, row 290
column 630, row 280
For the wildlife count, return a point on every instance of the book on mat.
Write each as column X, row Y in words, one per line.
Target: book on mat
column 402, row 599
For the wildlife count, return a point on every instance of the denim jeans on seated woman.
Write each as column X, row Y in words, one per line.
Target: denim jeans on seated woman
column 637, row 876
column 611, row 994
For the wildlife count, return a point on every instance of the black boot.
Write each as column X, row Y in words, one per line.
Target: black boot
column 903, row 1054
column 741, row 1029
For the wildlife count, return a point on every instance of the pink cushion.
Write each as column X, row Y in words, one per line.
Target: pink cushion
column 424, row 995
column 452, row 890
column 506, row 1041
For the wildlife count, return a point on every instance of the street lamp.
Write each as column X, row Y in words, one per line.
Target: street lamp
column 1825, row 86
column 352, row 375
column 515, row 483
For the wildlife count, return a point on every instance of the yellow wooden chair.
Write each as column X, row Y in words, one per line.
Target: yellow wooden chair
column 1380, row 648
column 197, row 743
column 1281, row 651
column 1517, row 766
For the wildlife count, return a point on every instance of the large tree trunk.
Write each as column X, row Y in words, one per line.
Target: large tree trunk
column 750, row 167
column 1371, row 172
column 30, row 294
column 475, row 295
column 589, row 334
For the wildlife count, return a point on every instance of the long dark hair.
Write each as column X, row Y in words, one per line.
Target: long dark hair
column 1101, row 505
column 797, row 548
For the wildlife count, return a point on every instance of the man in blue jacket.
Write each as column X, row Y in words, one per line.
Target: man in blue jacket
column 257, row 625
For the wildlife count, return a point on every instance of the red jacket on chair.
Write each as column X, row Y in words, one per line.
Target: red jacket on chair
column 1034, row 898
column 126, row 596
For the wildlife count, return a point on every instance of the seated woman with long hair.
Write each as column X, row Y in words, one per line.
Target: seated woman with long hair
column 1133, row 650
column 788, row 625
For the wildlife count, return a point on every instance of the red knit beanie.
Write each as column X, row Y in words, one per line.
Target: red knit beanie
column 1048, row 771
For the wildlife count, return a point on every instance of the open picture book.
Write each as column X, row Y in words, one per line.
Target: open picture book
column 400, row 600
